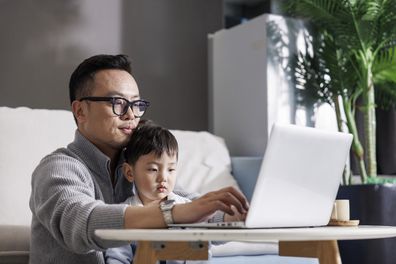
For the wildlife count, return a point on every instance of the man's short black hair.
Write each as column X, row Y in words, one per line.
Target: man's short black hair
column 149, row 137
column 86, row 71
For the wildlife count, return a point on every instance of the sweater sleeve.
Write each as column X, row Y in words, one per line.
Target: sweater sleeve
column 63, row 200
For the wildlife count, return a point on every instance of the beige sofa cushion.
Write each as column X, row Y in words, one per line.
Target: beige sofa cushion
column 27, row 135
column 14, row 243
column 204, row 162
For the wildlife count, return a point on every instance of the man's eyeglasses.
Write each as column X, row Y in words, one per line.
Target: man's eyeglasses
column 121, row 105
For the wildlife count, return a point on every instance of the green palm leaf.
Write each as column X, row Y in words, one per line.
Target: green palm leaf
column 358, row 54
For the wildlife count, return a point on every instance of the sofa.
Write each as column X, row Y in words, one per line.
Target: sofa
column 27, row 135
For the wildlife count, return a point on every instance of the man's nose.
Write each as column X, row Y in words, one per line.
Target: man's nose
column 128, row 115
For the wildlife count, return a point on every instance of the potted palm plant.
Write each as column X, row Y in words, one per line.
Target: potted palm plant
column 353, row 61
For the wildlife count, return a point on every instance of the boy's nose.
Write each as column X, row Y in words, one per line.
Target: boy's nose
column 161, row 177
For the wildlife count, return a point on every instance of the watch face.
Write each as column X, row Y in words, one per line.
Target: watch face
column 168, row 204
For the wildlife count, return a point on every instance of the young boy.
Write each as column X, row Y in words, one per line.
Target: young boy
column 151, row 164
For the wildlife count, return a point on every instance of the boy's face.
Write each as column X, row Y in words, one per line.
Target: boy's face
column 154, row 177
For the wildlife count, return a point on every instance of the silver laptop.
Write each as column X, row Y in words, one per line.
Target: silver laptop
column 298, row 179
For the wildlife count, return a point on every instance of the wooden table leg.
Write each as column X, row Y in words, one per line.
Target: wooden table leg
column 145, row 253
column 326, row 251
column 148, row 252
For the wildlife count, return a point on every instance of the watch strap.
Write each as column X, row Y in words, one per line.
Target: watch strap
column 166, row 208
column 168, row 217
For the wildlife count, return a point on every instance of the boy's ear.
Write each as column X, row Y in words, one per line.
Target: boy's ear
column 128, row 171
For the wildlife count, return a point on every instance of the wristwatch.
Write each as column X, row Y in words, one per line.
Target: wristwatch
column 166, row 208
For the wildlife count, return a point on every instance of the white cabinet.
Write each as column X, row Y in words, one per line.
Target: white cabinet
column 251, row 84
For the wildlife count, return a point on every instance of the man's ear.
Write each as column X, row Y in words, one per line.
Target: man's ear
column 128, row 171
column 78, row 111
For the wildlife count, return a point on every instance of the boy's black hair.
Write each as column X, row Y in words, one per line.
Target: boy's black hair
column 86, row 71
column 149, row 137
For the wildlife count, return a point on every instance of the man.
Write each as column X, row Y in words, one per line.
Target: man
column 75, row 190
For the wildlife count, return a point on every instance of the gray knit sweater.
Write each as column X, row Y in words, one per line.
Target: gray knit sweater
column 72, row 195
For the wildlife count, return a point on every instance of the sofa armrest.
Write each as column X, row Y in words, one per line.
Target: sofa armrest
column 245, row 170
column 14, row 243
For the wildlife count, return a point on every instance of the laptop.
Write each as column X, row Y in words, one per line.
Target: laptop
column 298, row 179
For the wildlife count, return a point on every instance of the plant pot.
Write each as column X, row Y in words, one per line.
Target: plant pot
column 372, row 205
column 386, row 141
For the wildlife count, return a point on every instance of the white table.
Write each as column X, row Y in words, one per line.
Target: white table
column 318, row 242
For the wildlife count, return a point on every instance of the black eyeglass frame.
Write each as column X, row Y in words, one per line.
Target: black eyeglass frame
column 112, row 100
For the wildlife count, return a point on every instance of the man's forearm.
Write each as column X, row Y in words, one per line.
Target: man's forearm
column 143, row 217
column 151, row 216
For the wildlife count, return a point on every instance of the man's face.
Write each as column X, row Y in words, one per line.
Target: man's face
column 96, row 120
column 154, row 176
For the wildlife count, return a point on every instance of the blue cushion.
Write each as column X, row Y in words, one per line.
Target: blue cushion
column 245, row 170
